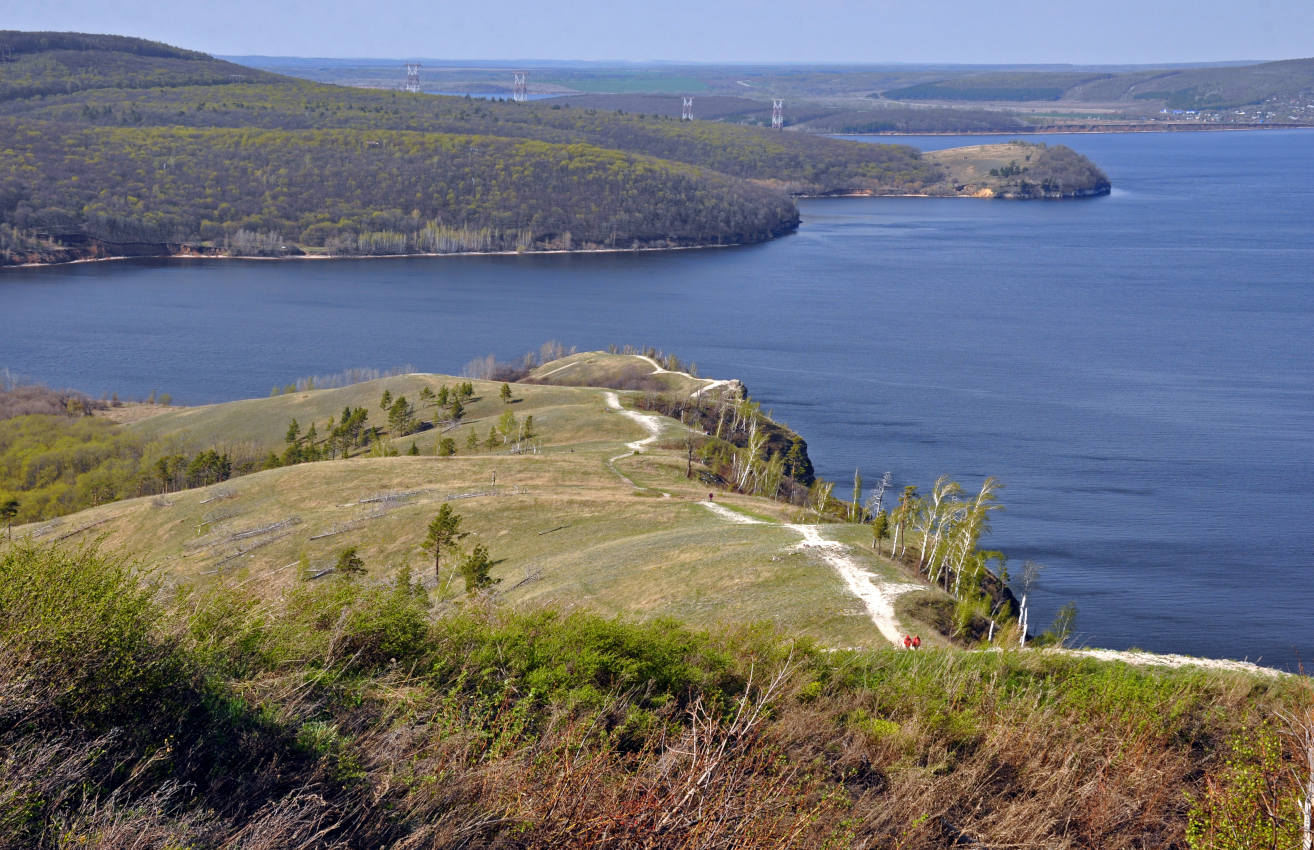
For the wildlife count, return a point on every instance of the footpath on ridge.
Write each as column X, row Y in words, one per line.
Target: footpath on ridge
column 876, row 595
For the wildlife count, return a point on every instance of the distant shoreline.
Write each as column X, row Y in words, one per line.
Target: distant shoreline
column 326, row 257
column 1107, row 131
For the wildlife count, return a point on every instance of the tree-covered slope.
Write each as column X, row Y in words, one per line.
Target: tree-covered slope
column 367, row 192
column 1186, row 88
column 806, row 163
column 117, row 145
column 36, row 64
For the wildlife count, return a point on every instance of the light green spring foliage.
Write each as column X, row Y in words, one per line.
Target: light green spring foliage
column 57, row 465
column 103, row 659
column 1247, row 805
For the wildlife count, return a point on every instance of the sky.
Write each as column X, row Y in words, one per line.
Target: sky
column 775, row 31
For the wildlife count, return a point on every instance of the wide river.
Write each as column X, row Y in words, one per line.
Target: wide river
column 1137, row 369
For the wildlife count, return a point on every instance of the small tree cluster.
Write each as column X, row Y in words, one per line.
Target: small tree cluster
column 178, row 472
column 444, row 535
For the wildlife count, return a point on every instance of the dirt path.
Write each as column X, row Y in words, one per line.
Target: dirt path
column 711, row 385
column 708, row 383
column 651, row 422
column 731, row 516
column 877, row 596
column 559, row 369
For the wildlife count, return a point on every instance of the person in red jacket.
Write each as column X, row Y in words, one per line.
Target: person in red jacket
column 907, row 641
column 917, row 642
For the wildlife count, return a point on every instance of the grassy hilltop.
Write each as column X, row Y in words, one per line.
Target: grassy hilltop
column 647, row 668
column 112, row 145
column 583, row 519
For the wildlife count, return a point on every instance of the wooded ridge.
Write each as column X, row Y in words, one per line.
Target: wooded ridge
column 118, row 145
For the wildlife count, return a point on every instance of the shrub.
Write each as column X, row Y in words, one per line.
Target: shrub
column 388, row 624
column 85, row 624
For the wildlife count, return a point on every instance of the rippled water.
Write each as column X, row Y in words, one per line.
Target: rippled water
column 1137, row 369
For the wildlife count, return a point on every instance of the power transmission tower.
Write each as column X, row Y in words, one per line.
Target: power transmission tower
column 686, row 109
column 413, row 76
column 520, row 87
column 777, row 113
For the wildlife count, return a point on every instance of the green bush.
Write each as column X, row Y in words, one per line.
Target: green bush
column 85, row 625
column 578, row 659
column 388, row 624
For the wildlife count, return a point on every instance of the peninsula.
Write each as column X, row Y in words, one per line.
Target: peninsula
column 114, row 146
column 612, row 586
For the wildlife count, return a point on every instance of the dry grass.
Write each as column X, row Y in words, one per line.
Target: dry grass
column 562, row 527
column 130, row 412
column 342, row 715
column 617, row 371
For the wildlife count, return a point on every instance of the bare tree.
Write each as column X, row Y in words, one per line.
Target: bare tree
column 1299, row 728
column 855, row 506
column 1030, row 572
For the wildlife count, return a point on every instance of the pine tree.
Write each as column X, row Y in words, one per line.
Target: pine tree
column 401, row 417
column 505, row 393
column 474, row 569
column 444, row 533
column 386, row 401
column 794, row 457
column 414, row 450
column 9, row 510
column 446, row 447
column 472, row 441
column 349, row 562
column 880, row 530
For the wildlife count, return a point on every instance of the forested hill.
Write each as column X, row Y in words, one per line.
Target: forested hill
column 140, row 145
column 1182, row 88
column 254, row 192
column 50, row 63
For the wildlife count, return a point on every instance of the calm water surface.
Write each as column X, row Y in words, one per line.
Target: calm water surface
column 1137, row 369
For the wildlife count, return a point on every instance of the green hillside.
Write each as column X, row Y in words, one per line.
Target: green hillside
column 1016, row 86
column 1187, row 88
column 1222, row 88
column 361, row 192
column 607, row 657
column 111, row 145
column 55, row 63
column 576, row 516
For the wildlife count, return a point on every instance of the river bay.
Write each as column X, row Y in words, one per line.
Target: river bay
column 1136, row 369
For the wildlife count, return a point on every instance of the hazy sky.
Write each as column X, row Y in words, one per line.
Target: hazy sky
column 972, row 31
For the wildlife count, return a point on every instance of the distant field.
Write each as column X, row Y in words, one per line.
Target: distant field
column 645, row 82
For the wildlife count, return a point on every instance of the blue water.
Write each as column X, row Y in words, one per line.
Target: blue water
column 1136, row 369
